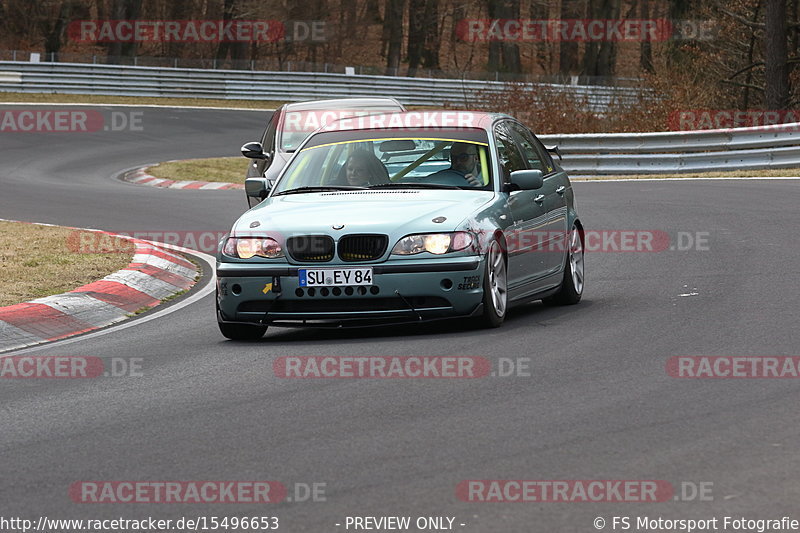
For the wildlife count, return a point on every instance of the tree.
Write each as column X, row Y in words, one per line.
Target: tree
column 124, row 10
column 645, row 47
column 600, row 59
column 393, row 31
column 504, row 55
column 423, row 35
column 568, row 50
column 776, row 55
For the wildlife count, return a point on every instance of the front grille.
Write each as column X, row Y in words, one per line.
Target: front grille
column 362, row 247
column 310, row 248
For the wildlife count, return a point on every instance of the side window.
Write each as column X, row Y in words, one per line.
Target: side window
column 268, row 140
column 507, row 152
column 535, row 154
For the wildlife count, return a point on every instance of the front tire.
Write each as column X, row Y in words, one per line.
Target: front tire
column 495, row 287
column 239, row 332
column 572, row 285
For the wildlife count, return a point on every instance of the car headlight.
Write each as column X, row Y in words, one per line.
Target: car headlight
column 247, row 247
column 435, row 243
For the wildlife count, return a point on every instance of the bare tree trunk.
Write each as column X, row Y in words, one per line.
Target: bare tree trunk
column 373, row 12
column 416, row 34
column 645, row 48
column 750, row 53
column 600, row 58
column 678, row 10
column 394, row 19
column 502, row 54
column 53, row 30
column 433, row 42
column 544, row 50
column 124, row 10
column 350, row 10
column 776, row 55
column 568, row 51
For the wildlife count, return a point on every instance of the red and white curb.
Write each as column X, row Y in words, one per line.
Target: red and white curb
column 153, row 274
column 141, row 177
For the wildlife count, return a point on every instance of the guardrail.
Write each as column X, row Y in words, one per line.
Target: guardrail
column 584, row 154
column 120, row 80
column 754, row 148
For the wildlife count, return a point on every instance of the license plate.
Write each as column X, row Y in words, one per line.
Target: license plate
column 334, row 277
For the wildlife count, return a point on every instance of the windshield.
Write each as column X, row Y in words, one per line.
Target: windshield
column 297, row 125
column 431, row 159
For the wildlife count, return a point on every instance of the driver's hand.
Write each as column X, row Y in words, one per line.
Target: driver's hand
column 473, row 180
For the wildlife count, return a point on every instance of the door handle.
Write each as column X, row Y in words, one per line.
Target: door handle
column 561, row 189
column 539, row 199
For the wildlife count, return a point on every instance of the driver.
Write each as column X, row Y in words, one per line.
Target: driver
column 464, row 165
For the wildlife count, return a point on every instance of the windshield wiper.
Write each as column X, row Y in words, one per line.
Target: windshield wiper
column 299, row 190
column 420, row 185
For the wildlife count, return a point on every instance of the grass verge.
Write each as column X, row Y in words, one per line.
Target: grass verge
column 225, row 169
column 39, row 261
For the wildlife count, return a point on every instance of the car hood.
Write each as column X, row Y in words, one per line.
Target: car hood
column 394, row 212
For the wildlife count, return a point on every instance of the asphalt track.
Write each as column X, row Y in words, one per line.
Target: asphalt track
column 597, row 405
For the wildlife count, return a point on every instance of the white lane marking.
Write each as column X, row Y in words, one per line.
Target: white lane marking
column 601, row 180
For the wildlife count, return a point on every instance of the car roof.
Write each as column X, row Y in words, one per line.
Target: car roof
column 345, row 103
column 445, row 119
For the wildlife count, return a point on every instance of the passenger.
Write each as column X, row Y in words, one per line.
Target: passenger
column 363, row 168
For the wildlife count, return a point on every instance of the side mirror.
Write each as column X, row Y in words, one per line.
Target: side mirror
column 527, row 179
column 256, row 190
column 254, row 150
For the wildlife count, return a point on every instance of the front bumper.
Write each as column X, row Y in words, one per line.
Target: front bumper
column 402, row 290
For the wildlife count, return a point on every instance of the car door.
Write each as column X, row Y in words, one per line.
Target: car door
column 258, row 167
column 551, row 196
column 529, row 219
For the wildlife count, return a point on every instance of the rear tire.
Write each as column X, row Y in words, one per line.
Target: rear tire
column 571, row 288
column 495, row 287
